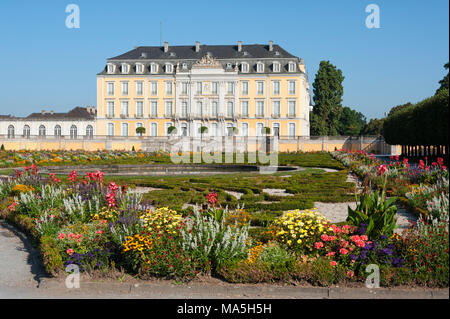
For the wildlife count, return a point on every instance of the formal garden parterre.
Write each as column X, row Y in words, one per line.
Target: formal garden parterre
column 102, row 226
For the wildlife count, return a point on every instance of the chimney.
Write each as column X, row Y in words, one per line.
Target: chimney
column 270, row 45
column 88, row 109
column 166, row 46
column 239, row 46
column 197, row 46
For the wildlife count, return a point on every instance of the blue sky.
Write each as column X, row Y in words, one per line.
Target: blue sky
column 45, row 65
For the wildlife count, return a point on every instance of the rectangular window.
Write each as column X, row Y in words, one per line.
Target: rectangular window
column 168, row 68
column 276, row 87
column 259, row 129
column 153, row 129
column 291, row 129
column 199, row 88
column 230, row 87
column 139, row 68
column 291, row 108
column 214, row 87
column 153, row 68
column 153, row 88
column 259, row 87
column 139, row 88
column 124, row 88
column 110, row 88
column 244, row 129
column 214, row 129
column 291, row 87
column 276, row 108
column 244, row 67
column 184, row 87
column 110, row 129
column 184, row 110
column 276, row 67
column 139, row 108
column 169, row 110
column 110, row 109
column 200, row 108
column 214, row 108
column 168, row 88
column 244, row 108
column 124, row 108
column 124, row 129
column 153, row 109
column 244, row 88
column 260, row 108
column 230, row 109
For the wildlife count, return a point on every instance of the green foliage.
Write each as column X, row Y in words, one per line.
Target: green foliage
column 328, row 92
column 425, row 123
column 50, row 253
column 351, row 122
column 140, row 130
column 374, row 127
column 398, row 108
column 376, row 212
column 444, row 81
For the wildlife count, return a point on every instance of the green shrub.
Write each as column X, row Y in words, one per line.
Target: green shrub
column 51, row 256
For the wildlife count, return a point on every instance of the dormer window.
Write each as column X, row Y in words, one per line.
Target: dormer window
column 110, row 68
column 125, row 68
column 276, row 66
column 184, row 65
column 260, row 67
column 139, row 68
column 244, row 67
column 229, row 65
column 169, row 68
column 291, row 67
column 153, row 68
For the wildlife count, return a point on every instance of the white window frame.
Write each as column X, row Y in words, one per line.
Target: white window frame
column 198, row 88
column 276, row 87
column 230, row 87
column 139, row 68
column 259, row 67
column 244, row 132
column 244, row 67
column 125, row 68
column 110, row 129
column 214, row 87
column 139, row 84
column 110, row 68
column 184, row 88
column 110, row 106
column 276, row 67
column 290, row 102
column 258, row 104
column 153, row 108
column 110, row 87
column 154, row 85
column 276, row 104
column 184, row 108
column 169, row 88
column 290, row 133
column 230, row 113
column 244, row 111
column 244, row 87
column 260, row 84
column 122, row 130
column 214, row 108
column 169, row 67
column 124, row 108
column 290, row 91
column 291, row 67
column 153, row 129
column 259, row 127
column 166, row 107
column 125, row 87
column 139, row 114
column 153, row 67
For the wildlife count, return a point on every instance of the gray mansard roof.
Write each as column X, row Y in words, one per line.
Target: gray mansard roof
column 224, row 54
column 78, row 113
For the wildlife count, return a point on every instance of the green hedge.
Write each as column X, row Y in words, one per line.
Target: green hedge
column 424, row 123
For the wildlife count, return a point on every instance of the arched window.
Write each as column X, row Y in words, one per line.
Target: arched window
column 42, row 131
column 89, row 132
column 57, row 131
column 73, row 132
column 184, row 129
column 124, row 129
column 26, row 131
column 11, row 130
column 154, row 129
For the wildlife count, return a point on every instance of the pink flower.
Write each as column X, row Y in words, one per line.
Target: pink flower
column 99, row 232
column 350, row 273
column 333, row 263
column 73, row 176
column 78, row 236
column 331, row 253
column 355, row 238
column 343, row 251
column 382, row 169
column 113, row 188
column 344, row 243
column 110, row 199
column 61, row 236
column 318, row 245
column 421, row 164
column 324, row 237
column 360, row 243
column 71, row 235
column 69, row 251
column 331, row 238
column 12, row 207
column 363, row 237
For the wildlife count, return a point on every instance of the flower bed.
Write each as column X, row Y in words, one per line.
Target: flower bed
column 102, row 227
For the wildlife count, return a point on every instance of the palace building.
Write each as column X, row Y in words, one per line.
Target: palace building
column 229, row 89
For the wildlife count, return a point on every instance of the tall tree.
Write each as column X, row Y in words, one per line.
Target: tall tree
column 374, row 127
column 351, row 122
column 328, row 92
column 444, row 81
column 397, row 108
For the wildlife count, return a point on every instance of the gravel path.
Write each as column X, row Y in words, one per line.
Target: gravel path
column 19, row 261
